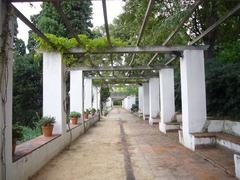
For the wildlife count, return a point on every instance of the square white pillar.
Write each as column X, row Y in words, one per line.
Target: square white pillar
column 54, row 90
column 237, row 165
column 99, row 98
column 88, row 91
column 6, row 85
column 145, row 101
column 95, row 96
column 154, row 101
column 193, row 95
column 76, row 91
column 167, row 98
column 140, row 99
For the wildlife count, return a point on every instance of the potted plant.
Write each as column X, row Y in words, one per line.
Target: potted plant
column 17, row 135
column 86, row 113
column 93, row 111
column 74, row 117
column 46, row 123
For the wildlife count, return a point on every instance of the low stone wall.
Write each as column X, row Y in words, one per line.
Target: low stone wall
column 226, row 126
column 28, row 165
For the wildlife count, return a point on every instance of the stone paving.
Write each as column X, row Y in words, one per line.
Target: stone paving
column 123, row 146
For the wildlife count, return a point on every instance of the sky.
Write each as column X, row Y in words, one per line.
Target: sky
column 114, row 8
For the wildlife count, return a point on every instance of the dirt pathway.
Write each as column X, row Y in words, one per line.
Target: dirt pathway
column 123, row 146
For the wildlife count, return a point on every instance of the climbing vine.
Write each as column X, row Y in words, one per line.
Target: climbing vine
column 63, row 45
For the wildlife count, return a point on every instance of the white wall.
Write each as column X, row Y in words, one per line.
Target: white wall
column 54, row 90
column 154, row 100
column 95, row 97
column 145, row 100
column 140, row 99
column 76, row 91
column 167, row 97
column 87, row 93
column 193, row 94
column 31, row 163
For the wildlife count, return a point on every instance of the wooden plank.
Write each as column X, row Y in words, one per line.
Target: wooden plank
column 117, row 68
column 144, row 49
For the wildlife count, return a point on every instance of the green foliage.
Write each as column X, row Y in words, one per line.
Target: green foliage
column 87, row 111
column 129, row 90
column 29, row 133
column 19, row 47
column 77, row 12
column 62, row 44
column 223, row 89
column 75, row 114
column 27, row 90
column 17, row 132
column 46, row 121
column 93, row 110
column 231, row 52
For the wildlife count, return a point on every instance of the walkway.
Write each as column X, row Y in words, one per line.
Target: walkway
column 125, row 147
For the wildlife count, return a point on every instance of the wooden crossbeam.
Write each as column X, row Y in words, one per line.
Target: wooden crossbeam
column 176, row 30
column 118, row 68
column 144, row 49
column 212, row 27
column 140, row 34
column 106, row 22
column 29, row 24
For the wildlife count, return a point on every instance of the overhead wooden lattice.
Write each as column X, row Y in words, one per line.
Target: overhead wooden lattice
column 164, row 48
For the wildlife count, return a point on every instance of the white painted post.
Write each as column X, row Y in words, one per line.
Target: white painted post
column 154, row 100
column 54, row 90
column 237, row 165
column 193, row 95
column 99, row 98
column 140, row 99
column 167, row 97
column 88, row 93
column 6, row 39
column 95, row 97
column 76, row 91
column 145, row 101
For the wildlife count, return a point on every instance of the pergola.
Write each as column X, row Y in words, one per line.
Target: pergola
column 156, row 92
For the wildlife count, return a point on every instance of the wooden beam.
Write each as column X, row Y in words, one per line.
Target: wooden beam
column 142, row 28
column 118, row 78
column 117, row 68
column 235, row 9
column 106, row 22
column 144, row 49
column 176, row 30
column 29, row 24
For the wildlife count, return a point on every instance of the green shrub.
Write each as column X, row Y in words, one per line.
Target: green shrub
column 46, row 121
column 75, row 114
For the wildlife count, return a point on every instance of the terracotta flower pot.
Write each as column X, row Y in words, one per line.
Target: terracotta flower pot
column 85, row 115
column 14, row 144
column 74, row 120
column 47, row 130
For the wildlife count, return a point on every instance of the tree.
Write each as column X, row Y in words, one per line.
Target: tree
column 27, row 89
column 77, row 12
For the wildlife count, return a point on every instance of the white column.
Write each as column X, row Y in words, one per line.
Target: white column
column 145, row 101
column 95, row 101
column 99, row 98
column 167, row 98
column 140, row 99
column 76, row 91
column 54, row 90
column 154, row 100
column 87, row 93
column 193, row 94
column 6, row 91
